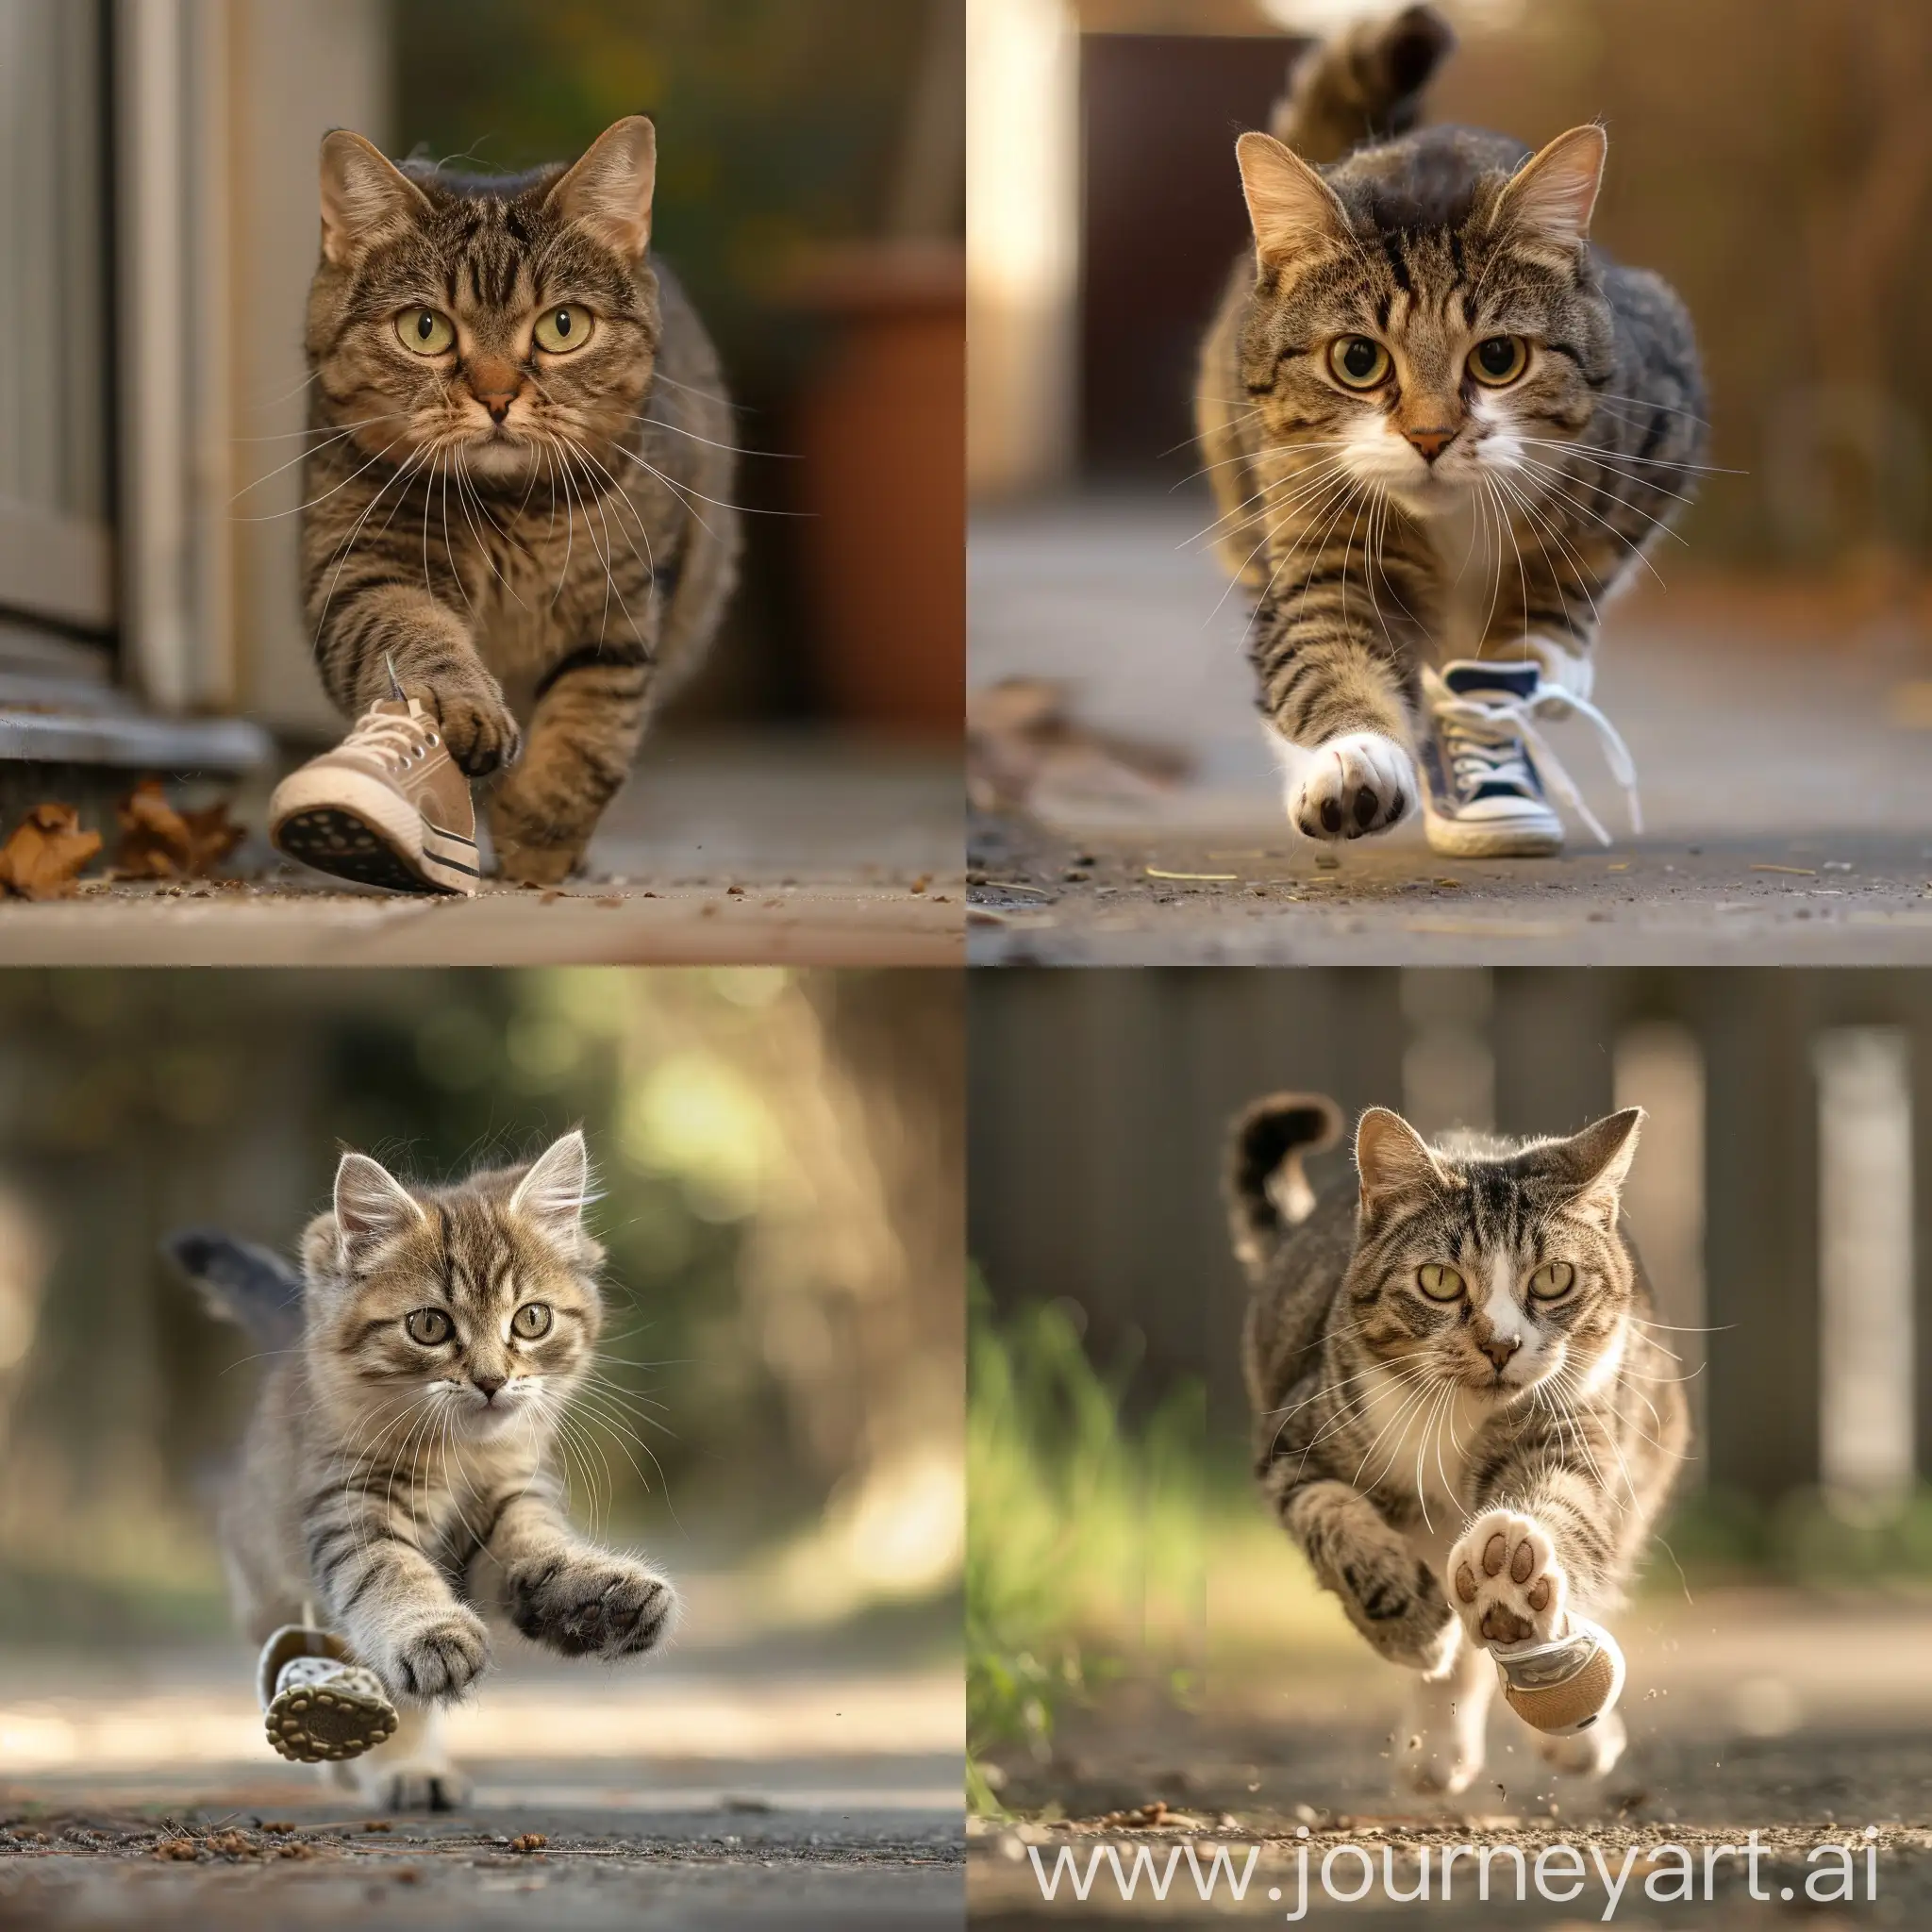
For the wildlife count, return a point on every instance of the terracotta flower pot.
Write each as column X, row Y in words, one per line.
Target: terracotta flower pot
column 882, row 432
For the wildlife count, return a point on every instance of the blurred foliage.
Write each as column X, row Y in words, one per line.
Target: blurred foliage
column 135, row 1103
column 1810, row 1539
column 779, row 124
column 1084, row 1533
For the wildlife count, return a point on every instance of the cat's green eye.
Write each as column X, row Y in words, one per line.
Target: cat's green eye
column 563, row 328
column 426, row 332
column 531, row 1322
column 1358, row 361
column 1552, row 1279
column 1499, row 359
column 1438, row 1283
column 427, row 1327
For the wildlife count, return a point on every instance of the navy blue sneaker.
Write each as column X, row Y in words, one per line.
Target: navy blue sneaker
column 1485, row 764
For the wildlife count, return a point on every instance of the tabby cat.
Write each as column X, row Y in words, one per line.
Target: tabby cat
column 517, row 488
column 1463, row 1417
column 396, row 1478
column 1439, row 423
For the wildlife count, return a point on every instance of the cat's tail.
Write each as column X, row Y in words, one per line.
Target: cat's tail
column 1364, row 86
column 240, row 1283
column 1268, row 1193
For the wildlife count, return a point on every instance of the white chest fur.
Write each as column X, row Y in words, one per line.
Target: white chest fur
column 1470, row 547
column 1421, row 1436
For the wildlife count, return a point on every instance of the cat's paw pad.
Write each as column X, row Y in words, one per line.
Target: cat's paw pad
column 438, row 1658
column 1505, row 1582
column 477, row 727
column 1358, row 783
column 417, row 1787
column 606, row 1608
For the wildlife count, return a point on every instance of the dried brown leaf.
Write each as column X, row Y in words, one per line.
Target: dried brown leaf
column 159, row 843
column 45, row 855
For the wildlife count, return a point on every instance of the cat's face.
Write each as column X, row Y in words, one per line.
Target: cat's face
column 487, row 330
column 458, row 1313
column 1444, row 364
column 1494, row 1271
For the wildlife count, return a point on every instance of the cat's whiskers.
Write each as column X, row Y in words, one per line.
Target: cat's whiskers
column 300, row 509
column 780, row 456
column 1537, row 522
column 1540, row 466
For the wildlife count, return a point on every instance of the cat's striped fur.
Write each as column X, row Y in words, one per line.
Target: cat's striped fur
column 1397, row 1429
column 395, row 1490
column 1429, row 515
column 541, row 544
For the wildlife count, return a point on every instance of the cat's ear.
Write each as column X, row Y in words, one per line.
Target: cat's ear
column 1594, row 1164
column 1554, row 192
column 365, row 197
column 609, row 191
column 1293, row 210
column 556, row 1188
column 1392, row 1158
column 372, row 1207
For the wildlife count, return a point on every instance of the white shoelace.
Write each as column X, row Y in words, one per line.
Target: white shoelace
column 1486, row 737
column 401, row 741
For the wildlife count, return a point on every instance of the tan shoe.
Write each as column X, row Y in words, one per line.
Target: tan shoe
column 316, row 1701
column 386, row 807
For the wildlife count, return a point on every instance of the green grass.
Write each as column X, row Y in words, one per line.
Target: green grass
column 1086, row 1532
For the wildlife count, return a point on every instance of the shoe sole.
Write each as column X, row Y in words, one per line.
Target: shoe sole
column 1459, row 839
column 311, row 1724
column 357, row 828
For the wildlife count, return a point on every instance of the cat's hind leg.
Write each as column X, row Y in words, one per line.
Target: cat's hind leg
column 1439, row 1750
column 1583, row 1753
column 412, row 1771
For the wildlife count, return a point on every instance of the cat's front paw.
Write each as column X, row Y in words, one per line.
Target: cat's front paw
column 1505, row 1582
column 437, row 1659
column 592, row 1607
column 522, row 859
column 1361, row 782
column 477, row 727
column 536, row 865
column 1393, row 1601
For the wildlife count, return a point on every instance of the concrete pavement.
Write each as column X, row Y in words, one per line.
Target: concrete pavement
column 1786, row 772
column 745, row 850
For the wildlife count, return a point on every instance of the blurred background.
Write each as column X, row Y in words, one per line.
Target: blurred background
column 158, row 215
column 1131, row 1607
column 1773, row 166
column 781, row 1180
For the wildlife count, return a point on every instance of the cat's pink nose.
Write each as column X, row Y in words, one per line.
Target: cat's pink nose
column 1429, row 443
column 489, row 1384
column 1499, row 1348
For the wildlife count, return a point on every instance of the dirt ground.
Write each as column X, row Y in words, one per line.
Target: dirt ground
column 254, row 1859
column 769, row 1778
column 1806, row 1719
column 1783, row 767
column 748, row 851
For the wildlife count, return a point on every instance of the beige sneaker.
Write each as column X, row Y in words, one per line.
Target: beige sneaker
column 384, row 807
